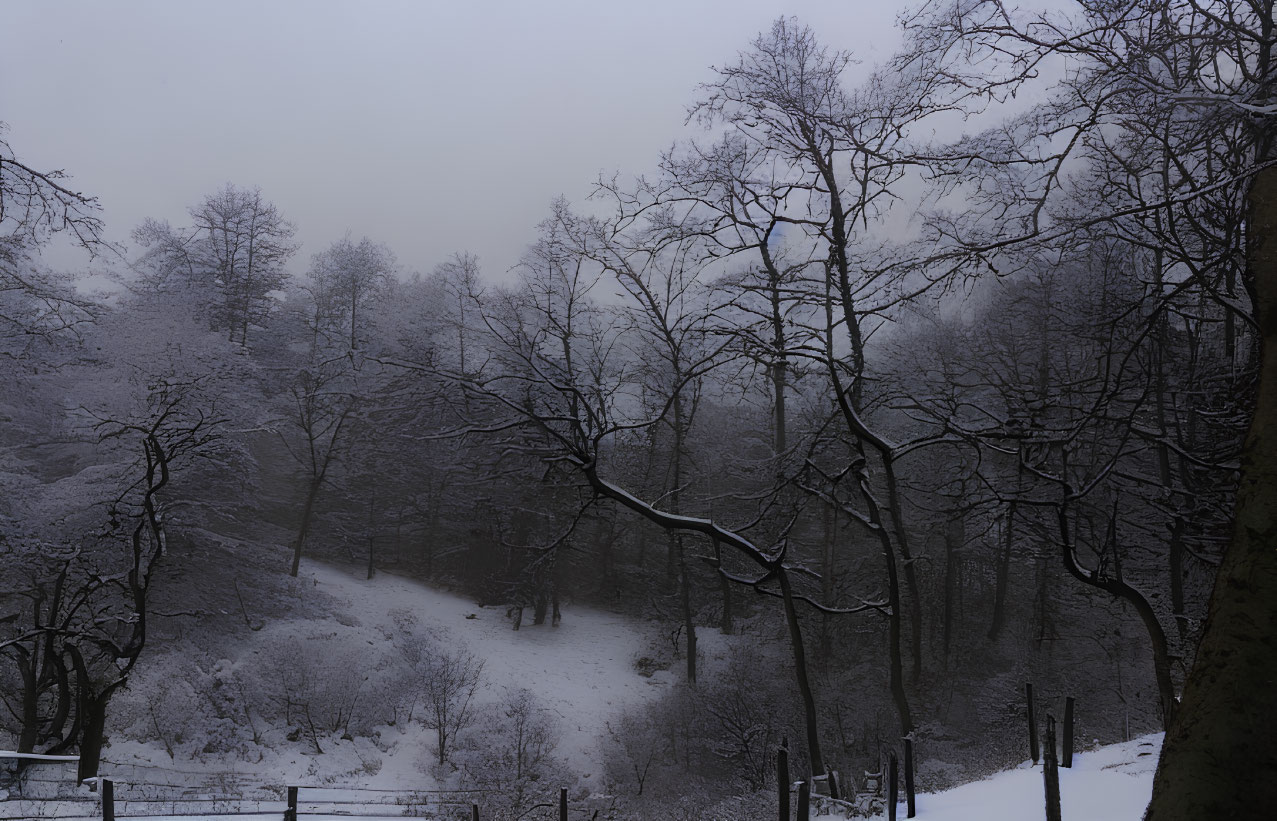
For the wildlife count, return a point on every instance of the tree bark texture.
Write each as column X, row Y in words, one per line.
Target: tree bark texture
column 1219, row 757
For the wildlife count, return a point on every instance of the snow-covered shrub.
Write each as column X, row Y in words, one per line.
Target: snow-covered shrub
column 512, row 753
column 192, row 705
column 327, row 683
column 747, row 715
column 447, row 678
column 635, row 747
column 659, row 752
column 751, row 806
column 715, row 741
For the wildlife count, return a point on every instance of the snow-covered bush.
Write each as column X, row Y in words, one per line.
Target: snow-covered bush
column 635, row 747
column 328, row 683
column 715, row 741
column 512, row 753
column 747, row 715
column 191, row 705
column 447, row 678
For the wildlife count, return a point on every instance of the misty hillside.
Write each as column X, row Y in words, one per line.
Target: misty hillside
column 611, row 412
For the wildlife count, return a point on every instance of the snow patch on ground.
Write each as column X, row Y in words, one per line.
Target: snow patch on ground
column 1112, row 783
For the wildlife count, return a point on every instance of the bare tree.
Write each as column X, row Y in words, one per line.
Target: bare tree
column 665, row 333
column 531, row 732
column 35, row 206
column 90, row 615
column 460, row 278
column 820, row 160
column 448, row 677
column 234, row 252
column 638, row 746
column 1129, row 60
column 323, row 404
column 349, row 278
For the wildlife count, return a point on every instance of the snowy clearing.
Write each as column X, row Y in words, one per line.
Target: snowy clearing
column 582, row 671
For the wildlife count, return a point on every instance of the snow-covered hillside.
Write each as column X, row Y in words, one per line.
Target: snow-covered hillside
column 582, row 671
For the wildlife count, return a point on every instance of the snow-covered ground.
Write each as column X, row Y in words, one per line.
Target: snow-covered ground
column 1112, row 783
column 583, row 671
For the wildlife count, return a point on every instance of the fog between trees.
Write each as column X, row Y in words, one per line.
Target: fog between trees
column 918, row 466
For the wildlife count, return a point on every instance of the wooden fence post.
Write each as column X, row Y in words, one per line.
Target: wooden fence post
column 290, row 814
column 108, row 800
column 893, row 784
column 782, row 781
column 909, row 794
column 804, row 801
column 835, row 789
column 1051, row 775
column 563, row 804
column 1068, row 733
column 1033, row 724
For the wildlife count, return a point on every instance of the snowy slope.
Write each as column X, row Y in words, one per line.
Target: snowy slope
column 1111, row 783
column 583, row 671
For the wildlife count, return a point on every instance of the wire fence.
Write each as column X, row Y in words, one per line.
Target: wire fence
column 33, row 788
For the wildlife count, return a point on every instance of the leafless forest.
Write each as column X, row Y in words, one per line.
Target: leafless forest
column 904, row 392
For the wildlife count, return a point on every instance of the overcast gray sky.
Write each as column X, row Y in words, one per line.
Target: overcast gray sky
column 429, row 126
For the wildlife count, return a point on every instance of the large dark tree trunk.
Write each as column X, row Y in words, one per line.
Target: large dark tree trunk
column 1219, row 755
column 91, row 715
column 56, row 726
column 91, row 742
